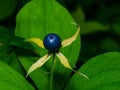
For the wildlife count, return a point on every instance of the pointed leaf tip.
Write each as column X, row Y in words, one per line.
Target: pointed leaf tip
column 81, row 74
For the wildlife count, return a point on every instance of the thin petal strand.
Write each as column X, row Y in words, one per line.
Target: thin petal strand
column 38, row 63
column 65, row 63
column 37, row 41
column 68, row 41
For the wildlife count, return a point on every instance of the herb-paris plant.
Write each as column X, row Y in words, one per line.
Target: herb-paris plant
column 37, row 19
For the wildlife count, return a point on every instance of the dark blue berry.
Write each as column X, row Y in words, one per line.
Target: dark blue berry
column 52, row 42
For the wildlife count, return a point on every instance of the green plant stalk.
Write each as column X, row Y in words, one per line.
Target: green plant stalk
column 52, row 73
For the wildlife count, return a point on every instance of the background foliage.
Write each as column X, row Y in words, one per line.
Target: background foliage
column 100, row 33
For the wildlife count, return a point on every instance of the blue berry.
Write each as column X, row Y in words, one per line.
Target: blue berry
column 52, row 42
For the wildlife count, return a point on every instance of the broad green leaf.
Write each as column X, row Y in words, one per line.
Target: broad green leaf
column 7, row 54
column 11, row 59
column 11, row 80
column 92, row 26
column 40, row 17
column 103, row 71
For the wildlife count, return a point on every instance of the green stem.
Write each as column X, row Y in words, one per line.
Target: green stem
column 52, row 73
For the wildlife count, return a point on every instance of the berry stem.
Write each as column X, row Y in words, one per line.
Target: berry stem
column 52, row 73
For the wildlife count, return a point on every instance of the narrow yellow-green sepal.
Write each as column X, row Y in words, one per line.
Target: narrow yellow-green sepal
column 63, row 60
column 37, row 41
column 38, row 63
column 68, row 41
column 65, row 63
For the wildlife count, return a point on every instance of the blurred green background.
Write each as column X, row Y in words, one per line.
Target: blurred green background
column 99, row 20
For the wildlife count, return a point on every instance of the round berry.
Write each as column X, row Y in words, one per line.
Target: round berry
column 52, row 42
